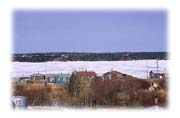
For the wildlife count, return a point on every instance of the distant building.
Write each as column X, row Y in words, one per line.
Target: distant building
column 24, row 81
column 58, row 78
column 114, row 75
column 85, row 76
column 37, row 76
column 157, row 75
column 38, row 79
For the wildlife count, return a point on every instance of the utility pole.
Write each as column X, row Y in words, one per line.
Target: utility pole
column 95, row 91
column 147, row 69
column 45, row 86
column 111, row 74
column 157, row 66
column 45, row 68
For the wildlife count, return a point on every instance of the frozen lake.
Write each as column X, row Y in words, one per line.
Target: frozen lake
column 138, row 68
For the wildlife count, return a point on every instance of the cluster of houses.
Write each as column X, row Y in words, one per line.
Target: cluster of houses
column 61, row 78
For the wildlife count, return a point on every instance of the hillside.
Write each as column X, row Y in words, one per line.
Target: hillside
column 76, row 56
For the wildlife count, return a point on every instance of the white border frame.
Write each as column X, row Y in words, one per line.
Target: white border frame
column 6, row 9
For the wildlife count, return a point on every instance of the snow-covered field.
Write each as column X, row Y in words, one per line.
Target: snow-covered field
column 135, row 68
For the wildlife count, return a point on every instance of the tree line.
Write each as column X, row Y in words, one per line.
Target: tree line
column 75, row 56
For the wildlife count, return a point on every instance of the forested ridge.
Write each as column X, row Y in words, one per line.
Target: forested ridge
column 86, row 56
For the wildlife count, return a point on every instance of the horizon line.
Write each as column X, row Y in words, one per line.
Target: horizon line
column 92, row 52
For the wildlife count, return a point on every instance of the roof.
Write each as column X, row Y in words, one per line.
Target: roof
column 114, row 72
column 24, row 78
column 85, row 73
column 37, row 74
column 159, row 71
column 58, row 75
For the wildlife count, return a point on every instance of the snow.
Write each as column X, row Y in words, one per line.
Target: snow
column 136, row 68
column 157, row 108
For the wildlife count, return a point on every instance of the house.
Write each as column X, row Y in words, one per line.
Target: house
column 38, row 79
column 58, row 78
column 85, row 76
column 114, row 75
column 37, row 76
column 51, row 78
column 24, row 81
column 157, row 75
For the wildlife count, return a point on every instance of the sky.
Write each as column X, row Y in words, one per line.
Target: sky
column 89, row 31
